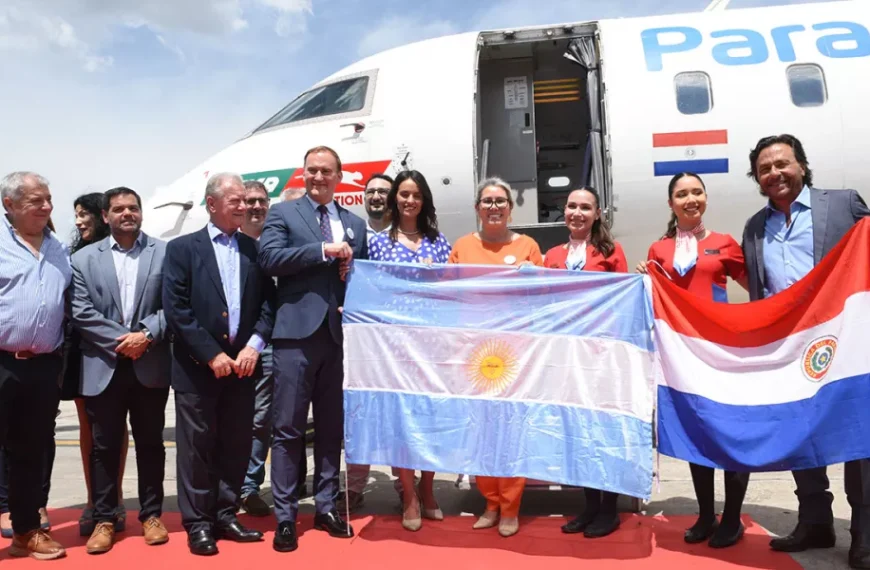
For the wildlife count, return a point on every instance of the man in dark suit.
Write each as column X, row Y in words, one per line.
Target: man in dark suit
column 117, row 309
column 782, row 242
column 219, row 308
column 308, row 244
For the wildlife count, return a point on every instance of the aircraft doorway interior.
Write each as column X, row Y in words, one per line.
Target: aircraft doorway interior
column 535, row 128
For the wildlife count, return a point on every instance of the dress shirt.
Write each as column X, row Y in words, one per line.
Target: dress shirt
column 788, row 250
column 226, row 251
column 32, row 292
column 127, row 269
column 334, row 222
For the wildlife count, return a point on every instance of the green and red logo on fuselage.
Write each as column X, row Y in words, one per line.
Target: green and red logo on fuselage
column 349, row 191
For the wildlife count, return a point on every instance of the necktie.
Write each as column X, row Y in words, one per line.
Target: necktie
column 325, row 228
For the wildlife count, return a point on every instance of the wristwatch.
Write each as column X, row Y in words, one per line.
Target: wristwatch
column 148, row 336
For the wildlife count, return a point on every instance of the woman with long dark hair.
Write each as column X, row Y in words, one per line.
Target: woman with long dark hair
column 699, row 260
column 413, row 237
column 590, row 247
column 90, row 229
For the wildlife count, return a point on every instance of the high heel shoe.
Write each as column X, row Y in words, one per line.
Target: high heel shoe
column 487, row 520
column 411, row 518
column 508, row 526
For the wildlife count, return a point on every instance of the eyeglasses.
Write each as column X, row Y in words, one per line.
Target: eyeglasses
column 255, row 201
column 378, row 191
column 498, row 202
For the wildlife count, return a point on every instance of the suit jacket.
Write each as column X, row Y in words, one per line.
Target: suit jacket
column 98, row 319
column 196, row 308
column 834, row 212
column 309, row 288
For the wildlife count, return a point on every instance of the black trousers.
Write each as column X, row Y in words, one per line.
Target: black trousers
column 29, row 396
column 214, row 445
column 107, row 413
column 814, row 498
column 47, row 466
column 735, row 491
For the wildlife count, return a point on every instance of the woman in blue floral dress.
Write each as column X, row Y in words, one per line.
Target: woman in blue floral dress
column 412, row 238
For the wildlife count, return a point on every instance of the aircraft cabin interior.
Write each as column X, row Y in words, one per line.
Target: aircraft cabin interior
column 535, row 128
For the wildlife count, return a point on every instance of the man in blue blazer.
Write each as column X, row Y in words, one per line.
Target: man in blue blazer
column 218, row 305
column 782, row 242
column 308, row 244
column 117, row 309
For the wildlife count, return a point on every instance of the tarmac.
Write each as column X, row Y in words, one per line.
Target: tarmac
column 770, row 500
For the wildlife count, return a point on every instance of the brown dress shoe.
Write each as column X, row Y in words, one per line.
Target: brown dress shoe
column 155, row 532
column 102, row 538
column 36, row 544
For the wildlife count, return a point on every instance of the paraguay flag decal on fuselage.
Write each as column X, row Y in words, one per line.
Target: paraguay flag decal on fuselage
column 701, row 152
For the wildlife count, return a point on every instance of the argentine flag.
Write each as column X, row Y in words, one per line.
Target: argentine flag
column 499, row 371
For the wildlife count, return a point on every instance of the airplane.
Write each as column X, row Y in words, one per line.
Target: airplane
column 620, row 105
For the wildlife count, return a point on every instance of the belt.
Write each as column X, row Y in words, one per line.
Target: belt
column 27, row 354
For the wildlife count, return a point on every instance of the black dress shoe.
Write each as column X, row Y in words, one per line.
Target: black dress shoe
column 702, row 530
column 604, row 524
column 285, row 537
column 725, row 536
column 332, row 523
column 202, row 543
column 237, row 533
column 579, row 524
column 805, row 537
column 860, row 559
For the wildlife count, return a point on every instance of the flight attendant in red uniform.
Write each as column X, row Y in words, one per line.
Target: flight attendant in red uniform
column 699, row 261
column 590, row 248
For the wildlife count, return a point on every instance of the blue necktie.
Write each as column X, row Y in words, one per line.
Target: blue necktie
column 325, row 228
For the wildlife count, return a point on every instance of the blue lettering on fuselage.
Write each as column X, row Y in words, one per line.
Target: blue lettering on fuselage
column 748, row 47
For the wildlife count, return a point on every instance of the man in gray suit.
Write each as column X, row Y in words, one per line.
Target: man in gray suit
column 117, row 309
column 782, row 242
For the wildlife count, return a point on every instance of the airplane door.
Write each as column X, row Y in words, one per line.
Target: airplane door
column 508, row 124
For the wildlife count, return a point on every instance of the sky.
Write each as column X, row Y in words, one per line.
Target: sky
column 102, row 93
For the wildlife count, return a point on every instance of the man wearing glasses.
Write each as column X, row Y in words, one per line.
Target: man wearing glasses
column 376, row 192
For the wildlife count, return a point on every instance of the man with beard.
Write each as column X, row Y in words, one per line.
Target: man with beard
column 377, row 189
column 782, row 242
column 117, row 309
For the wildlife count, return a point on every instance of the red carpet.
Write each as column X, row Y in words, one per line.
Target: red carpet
column 641, row 542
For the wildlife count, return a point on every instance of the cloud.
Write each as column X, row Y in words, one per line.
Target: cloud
column 27, row 30
column 395, row 31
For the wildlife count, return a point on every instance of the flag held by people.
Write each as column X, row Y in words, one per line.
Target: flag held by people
column 500, row 371
column 778, row 384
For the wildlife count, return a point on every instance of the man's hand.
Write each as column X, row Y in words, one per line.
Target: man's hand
column 246, row 361
column 344, row 268
column 222, row 365
column 340, row 250
column 132, row 345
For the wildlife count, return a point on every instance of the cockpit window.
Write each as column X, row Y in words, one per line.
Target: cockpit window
column 336, row 98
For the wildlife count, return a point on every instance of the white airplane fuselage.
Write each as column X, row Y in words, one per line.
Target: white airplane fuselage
column 680, row 92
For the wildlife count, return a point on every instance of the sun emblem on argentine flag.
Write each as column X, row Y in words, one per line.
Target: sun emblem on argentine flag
column 492, row 366
column 818, row 357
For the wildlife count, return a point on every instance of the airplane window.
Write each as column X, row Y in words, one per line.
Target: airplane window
column 694, row 92
column 807, row 85
column 339, row 97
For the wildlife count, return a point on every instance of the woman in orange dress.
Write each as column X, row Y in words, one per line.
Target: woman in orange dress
column 495, row 244
column 590, row 248
column 700, row 261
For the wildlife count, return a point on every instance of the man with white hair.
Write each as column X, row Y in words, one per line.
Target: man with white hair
column 35, row 274
column 218, row 305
